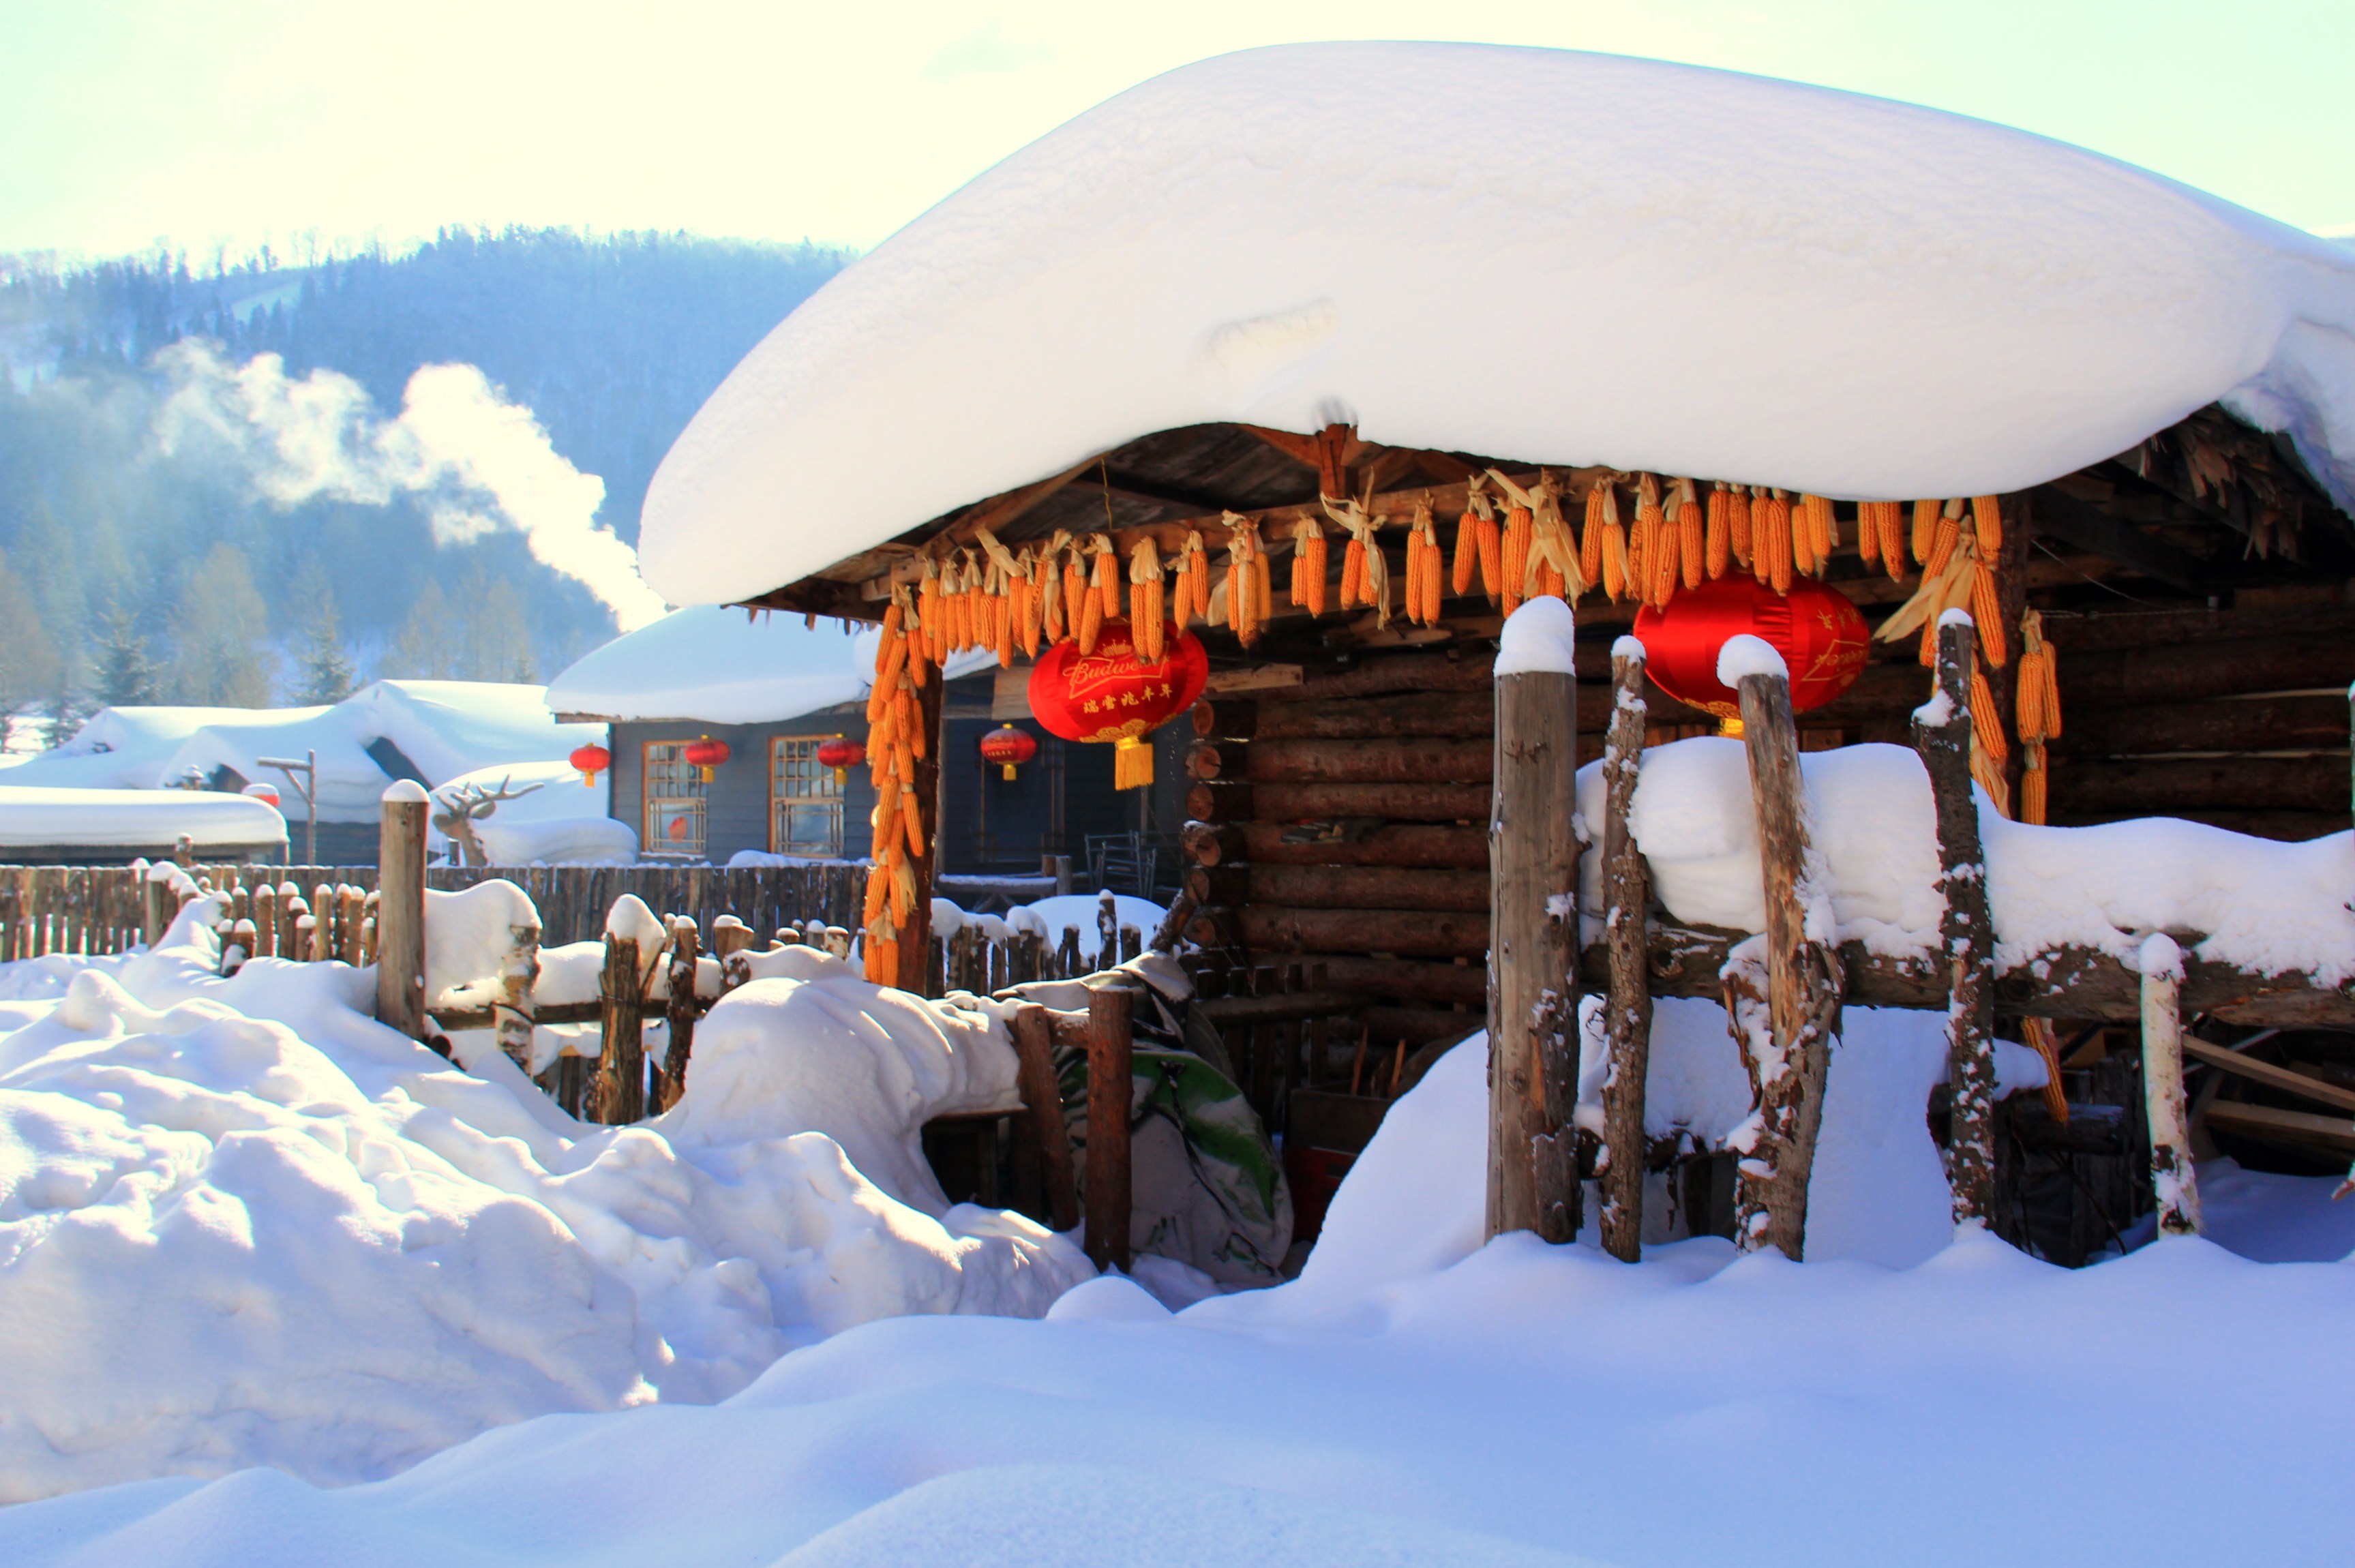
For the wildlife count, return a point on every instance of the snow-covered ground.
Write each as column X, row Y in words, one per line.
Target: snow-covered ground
column 1417, row 1399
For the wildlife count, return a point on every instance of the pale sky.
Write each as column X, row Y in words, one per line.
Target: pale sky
column 222, row 123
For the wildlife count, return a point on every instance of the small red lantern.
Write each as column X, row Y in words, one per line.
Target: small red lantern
column 1814, row 628
column 590, row 759
column 1109, row 695
column 706, row 754
column 1009, row 748
column 842, row 754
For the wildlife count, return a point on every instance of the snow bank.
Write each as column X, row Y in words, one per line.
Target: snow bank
column 1048, row 917
column 242, row 1223
column 1296, row 235
column 445, row 728
column 2265, row 906
column 714, row 665
column 122, row 818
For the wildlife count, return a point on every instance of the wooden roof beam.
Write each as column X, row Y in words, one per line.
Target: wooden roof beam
column 2088, row 527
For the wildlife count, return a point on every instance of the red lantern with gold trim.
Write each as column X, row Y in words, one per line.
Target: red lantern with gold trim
column 590, row 759
column 705, row 755
column 1108, row 695
column 1009, row 748
column 842, row 754
column 1818, row 632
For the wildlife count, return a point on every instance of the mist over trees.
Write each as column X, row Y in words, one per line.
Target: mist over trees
column 134, row 569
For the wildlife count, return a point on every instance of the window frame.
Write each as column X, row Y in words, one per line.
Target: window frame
column 824, row 797
column 691, row 792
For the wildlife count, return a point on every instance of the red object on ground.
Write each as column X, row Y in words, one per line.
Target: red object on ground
column 1814, row 628
column 591, row 760
column 1009, row 748
column 1109, row 696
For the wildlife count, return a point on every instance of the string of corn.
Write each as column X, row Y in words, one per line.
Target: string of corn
column 1144, row 600
column 1925, row 530
column 1716, row 549
column 1309, row 565
column 1692, row 525
column 1987, row 515
column 1740, row 533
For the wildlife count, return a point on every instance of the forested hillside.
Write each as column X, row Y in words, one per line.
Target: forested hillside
column 185, row 518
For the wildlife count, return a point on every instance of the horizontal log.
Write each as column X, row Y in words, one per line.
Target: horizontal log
column 1215, row 803
column 2099, row 630
column 1417, row 1026
column 1279, row 1006
column 2334, row 1135
column 2288, row 826
column 1379, row 674
column 1339, row 887
column 1216, row 759
column 2125, row 676
column 1403, row 978
column 1225, row 719
column 2158, row 787
column 2252, row 724
column 1360, row 842
column 1427, row 760
column 2072, row 983
column 2287, row 1080
column 1277, row 928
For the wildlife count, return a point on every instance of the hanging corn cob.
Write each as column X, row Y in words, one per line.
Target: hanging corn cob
column 1717, row 547
column 1948, row 534
column 1025, row 596
column 998, row 587
column 1309, row 565
column 1802, row 538
column 1193, row 581
column 1823, row 532
column 1868, row 533
column 1590, row 536
column 1047, row 587
column 1476, row 539
column 1986, row 516
column 1246, row 579
column 1692, row 528
column 1422, row 567
column 1144, row 600
column 1105, row 579
column 1987, row 609
column 1885, row 521
column 929, row 613
column 1088, row 604
column 1741, row 533
column 2037, row 715
column 1364, row 572
column 1773, row 541
column 1561, row 573
column 1514, row 567
column 1925, row 530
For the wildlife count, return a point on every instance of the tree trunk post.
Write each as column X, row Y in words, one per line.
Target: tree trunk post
column 1942, row 733
column 1533, row 929
column 1628, row 1015
column 1111, row 1047
column 401, row 910
column 152, row 920
column 512, row 1010
column 2172, row 1182
column 1042, row 1094
column 679, row 1013
column 621, row 1096
column 1790, row 1058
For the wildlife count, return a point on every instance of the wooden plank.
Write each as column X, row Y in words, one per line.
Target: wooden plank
column 2288, row 1080
column 1042, row 1095
column 2067, row 518
column 2304, row 1129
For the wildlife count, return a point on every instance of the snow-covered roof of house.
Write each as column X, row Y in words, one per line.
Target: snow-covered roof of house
column 134, row 818
column 712, row 666
column 1561, row 258
column 442, row 727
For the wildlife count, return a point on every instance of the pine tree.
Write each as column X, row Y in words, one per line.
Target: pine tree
column 221, row 660
column 28, row 657
column 126, row 676
column 426, row 646
column 325, row 669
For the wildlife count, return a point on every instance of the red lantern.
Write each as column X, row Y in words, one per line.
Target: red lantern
column 1109, row 696
column 1814, row 628
column 706, row 754
column 842, row 754
column 1008, row 747
column 590, row 759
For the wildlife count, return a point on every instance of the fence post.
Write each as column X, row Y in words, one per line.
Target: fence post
column 1627, row 921
column 1533, row 928
column 621, row 1067
column 1111, row 1050
column 729, row 938
column 518, row 973
column 1042, row 1093
column 153, row 920
column 1942, row 733
column 680, row 1012
column 1788, row 1068
column 401, row 910
column 2173, row 1185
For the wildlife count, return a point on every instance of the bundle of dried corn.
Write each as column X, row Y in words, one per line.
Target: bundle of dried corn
column 1477, row 546
column 1309, row 565
column 1248, row 586
column 1424, row 571
column 1144, row 600
column 2037, row 715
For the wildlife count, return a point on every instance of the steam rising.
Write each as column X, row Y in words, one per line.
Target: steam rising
column 474, row 461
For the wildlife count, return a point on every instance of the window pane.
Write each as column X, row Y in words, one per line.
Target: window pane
column 673, row 801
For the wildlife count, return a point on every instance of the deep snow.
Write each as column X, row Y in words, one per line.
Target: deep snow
column 1727, row 276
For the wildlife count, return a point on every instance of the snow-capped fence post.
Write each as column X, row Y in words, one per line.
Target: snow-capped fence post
column 511, row 1009
column 1533, row 928
column 2173, row 1186
column 1792, row 1059
column 1627, row 1010
column 729, row 939
column 401, row 910
column 152, row 917
column 1942, row 733
column 1042, row 1095
column 1111, row 1057
column 679, row 1013
column 621, row 1095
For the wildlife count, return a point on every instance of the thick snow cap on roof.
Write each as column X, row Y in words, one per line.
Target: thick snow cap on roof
column 135, row 818
column 716, row 665
column 1553, row 257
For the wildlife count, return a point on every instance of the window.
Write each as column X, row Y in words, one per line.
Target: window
column 805, row 800
column 674, row 790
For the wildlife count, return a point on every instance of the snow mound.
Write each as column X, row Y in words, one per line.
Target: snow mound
column 1296, row 235
column 241, row 1223
column 127, row 818
column 1048, row 916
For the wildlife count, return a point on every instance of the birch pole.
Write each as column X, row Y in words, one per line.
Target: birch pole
column 1533, row 928
column 2172, row 1182
column 1790, row 1057
column 1628, row 1011
column 1942, row 733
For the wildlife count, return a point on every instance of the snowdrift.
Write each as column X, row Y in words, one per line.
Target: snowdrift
column 1722, row 275
column 134, row 818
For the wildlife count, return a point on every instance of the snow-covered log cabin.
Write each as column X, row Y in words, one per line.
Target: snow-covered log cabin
column 1334, row 354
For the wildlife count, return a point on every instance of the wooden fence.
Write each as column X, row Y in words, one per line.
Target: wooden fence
column 99, row 909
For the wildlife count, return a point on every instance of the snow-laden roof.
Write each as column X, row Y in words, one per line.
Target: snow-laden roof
column 1553, row 257
column 715, row 665
column 445, row 728
column 134, row 818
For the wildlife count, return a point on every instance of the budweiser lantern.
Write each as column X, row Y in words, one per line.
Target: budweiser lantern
column 842, row 754
column 590, row 759
column 1109, row 695
column 1818, row 632
column 706, row 754
column 1009, row 748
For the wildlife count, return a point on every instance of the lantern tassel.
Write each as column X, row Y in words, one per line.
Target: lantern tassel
column 1132, row 763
